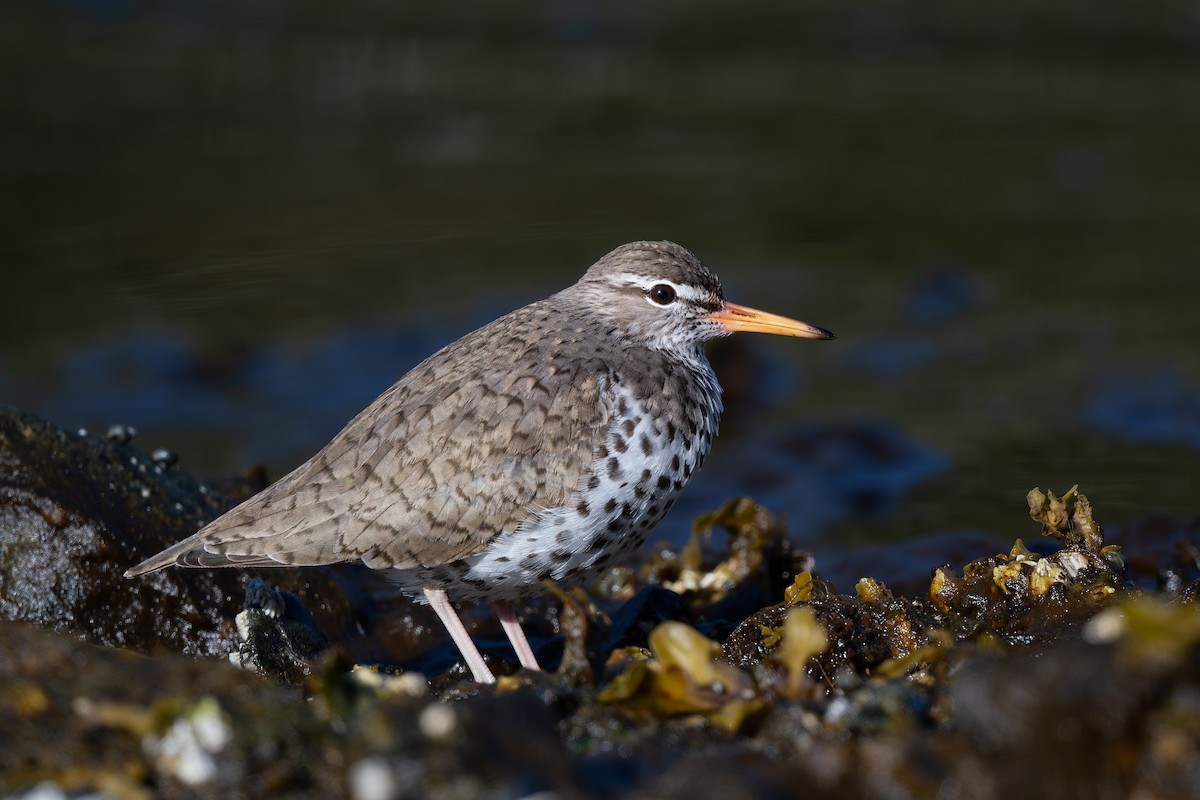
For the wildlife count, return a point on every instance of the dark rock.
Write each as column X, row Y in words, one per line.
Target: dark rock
column 76, row 511
column 632, row 623
column 280, row 636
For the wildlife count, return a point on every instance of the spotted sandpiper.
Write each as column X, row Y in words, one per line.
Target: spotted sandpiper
column 544, row 445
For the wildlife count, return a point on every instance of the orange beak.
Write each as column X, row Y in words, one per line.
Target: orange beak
column 733, row 318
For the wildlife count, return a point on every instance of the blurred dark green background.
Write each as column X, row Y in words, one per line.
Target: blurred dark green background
column 231, row 224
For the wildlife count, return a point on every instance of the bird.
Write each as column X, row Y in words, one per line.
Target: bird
column 545, row 445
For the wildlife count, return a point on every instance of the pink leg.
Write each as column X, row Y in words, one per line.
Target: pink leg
column 441, row 605
column 512, row 628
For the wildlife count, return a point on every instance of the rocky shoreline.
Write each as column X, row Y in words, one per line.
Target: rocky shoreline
column 1066, row 666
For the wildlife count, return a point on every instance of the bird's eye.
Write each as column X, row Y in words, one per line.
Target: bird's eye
column 662, row 293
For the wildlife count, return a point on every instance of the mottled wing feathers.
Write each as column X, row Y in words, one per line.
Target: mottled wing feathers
column 480, row 437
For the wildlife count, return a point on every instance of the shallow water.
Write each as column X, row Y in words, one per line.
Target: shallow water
column 232, row 226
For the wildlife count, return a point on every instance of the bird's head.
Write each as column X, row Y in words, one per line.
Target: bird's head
column 661, row 295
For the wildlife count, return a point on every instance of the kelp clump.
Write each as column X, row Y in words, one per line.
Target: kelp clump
column 822, row 648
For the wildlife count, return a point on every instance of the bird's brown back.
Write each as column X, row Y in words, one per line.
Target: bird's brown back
column 478, row 438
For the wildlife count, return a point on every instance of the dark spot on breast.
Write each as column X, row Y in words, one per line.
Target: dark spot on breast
column 645, row 475
column 687, row 471
column 672, row 431
column 601, row 452
column 583, row 508
column 619, row 443
column 639, row 491
column 626, row 510
column 675, row 463
column 677, row 486
column 663, row 483
column 629, row 426
column 610, row 506
column 502, row 559
column 647, row 445
column 594, row 481
column 614, row 468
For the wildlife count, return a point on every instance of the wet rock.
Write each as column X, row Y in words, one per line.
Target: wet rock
column 650, row 607
column 77, row 510
column 279, row 635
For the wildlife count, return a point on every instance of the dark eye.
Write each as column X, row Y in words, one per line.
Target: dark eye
column 662, row 293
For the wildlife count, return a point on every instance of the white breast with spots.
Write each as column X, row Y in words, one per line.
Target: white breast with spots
column 638, row 473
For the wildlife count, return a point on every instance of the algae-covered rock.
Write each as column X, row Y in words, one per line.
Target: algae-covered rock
column 279, row 635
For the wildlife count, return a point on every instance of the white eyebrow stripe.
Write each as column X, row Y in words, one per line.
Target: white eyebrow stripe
column 683, row 290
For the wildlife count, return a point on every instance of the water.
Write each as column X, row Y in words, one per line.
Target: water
column 230, row 226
